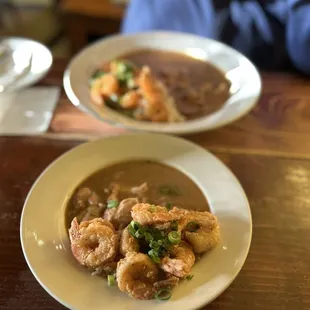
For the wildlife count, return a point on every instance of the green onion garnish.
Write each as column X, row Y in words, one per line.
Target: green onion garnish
column 174, row 225
column 191, row 276
column 148, row 237
column 135, row 225
column 169, row 190
column 139, row 233
column 154, row 256
column 169, row 205
column 155, row 245
column 192, row 226
column 163, row 294
column 174, row 237
column 112, row 204
column 111, row 280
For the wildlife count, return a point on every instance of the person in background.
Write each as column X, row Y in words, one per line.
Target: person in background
column 273, row 34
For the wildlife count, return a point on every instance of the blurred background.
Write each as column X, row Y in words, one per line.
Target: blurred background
column 65, row 26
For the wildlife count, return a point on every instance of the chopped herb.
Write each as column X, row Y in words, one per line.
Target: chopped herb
column 154, row 256
column 112, row 204
column 131, row 83
column 163, row 294
column 124, row 71
column 113, row 104
column 192, row 226
column 140, row 233
column 157, row 234
column 191, row 276
column 135, row 225
column 168, row 190
column 96, row 75
column 174, row 225
column 169, row 205
column 174, row 237
column 148, row 237
column 111, row 280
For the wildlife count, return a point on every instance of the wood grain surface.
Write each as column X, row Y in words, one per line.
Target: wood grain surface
column 268, row 150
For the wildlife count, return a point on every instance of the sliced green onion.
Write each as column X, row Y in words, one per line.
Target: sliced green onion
column 174, row 237
column 154, row 256
column 148, row 237
column 169, row 190
column 155, row 245
column 157, row 234
column 174, row 225
column 163, row 294
column 112, row 204
column 169, row 205
column 191, row 276
column 192, row 226
column 135, row 225
column 131, row 231
column 139, row 233
column 111, row 280
column 131, row 83
column 96, row 75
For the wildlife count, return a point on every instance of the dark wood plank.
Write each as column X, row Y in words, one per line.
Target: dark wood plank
column 92, row 17
column 279, row 125
column 276, row 275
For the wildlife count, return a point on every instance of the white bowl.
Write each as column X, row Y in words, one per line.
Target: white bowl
column 40, row 64
column 246, row 83
column 45, row 241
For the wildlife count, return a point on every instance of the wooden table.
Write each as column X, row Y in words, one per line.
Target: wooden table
column 91, row 17
column 269, row 152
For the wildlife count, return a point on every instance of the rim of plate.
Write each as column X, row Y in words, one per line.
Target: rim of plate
column 229, row 113
column 30, row 78
column 50, row 288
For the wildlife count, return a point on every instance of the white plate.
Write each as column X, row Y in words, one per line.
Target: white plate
column 246, row 83
column 46, row 246
column 42, row 60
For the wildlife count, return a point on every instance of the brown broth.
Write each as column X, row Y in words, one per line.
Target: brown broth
column 186, row 194
column 198, row 87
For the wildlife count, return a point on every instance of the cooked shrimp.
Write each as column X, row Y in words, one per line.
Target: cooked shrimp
column 120, row 217
column 95, row 92
column 93, row 243
column 168, row 283
column 180, row 261
column 158, row 104
column 147, row 214
column 206, row 234
column 136, row 274
column 140, row 190
column 123, row 213
column 114, row 191
column 130, row 100
column 154, row 94
column 93, row 211
column 128, row 243
column 81, row 197
column 109, row 85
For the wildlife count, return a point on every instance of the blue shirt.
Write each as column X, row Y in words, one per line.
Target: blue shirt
column 272, row 33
